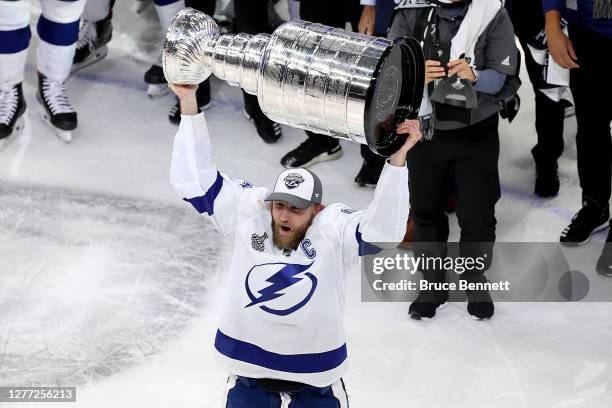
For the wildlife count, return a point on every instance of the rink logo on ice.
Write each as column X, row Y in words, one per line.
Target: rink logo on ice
column 280, row 288
column 293, row 180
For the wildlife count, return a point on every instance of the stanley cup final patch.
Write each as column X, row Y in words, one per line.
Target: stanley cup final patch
column 292, row 180
column 258, row 241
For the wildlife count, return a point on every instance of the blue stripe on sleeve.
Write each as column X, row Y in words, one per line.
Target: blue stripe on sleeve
column 365, row 248
column 206, row 203
column 290, row 363
column 14, row 41
column 164, row 2
column 58, row 33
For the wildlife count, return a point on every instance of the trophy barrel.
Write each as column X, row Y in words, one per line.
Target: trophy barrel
column 334, row 82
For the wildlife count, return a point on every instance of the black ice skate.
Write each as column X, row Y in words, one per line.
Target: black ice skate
column 158, row 86
column 91, row 46
column 12, row 108
column 369, row 174
column 55, row 107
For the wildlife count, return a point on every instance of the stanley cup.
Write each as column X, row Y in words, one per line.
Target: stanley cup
column 310, row 76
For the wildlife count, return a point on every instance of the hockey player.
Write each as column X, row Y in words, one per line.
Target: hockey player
column 281, row 334
column 58, row 29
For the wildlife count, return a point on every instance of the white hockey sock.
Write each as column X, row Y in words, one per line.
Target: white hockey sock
column 96, row 10
column 58, row 30
column 14, row 41
column 166, row 12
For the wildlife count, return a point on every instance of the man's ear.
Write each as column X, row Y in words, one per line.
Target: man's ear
column 318, row 208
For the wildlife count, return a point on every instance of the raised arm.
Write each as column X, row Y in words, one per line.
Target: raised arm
column 193, row 173
column 385, row 218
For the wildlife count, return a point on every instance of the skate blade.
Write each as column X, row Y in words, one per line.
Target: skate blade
column 17, row 130
column 157, row 90
column 96, row 56
column 64, row 135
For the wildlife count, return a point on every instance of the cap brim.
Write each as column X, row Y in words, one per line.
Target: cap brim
column 297, row 202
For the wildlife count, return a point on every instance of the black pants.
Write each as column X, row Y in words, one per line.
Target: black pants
column 592, row 88
column 469, row 156
column 251, row 17
column 549, row 117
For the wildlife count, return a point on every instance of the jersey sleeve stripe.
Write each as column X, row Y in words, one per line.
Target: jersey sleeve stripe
column 206, row 203
column 291, row 363
column 365, row 248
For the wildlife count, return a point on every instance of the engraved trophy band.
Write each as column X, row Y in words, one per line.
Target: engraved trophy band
column 306, row 75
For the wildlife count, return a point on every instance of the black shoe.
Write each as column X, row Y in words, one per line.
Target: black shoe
column 479, row 303
column 590, row 219
column 426, row 304
column 604, row 263
column 369, row 174
column 202, row 97
column 12, row 108
column 547, row 181
column 310, row 152
column 268, row 130
column 155, row 75
column 91, row 46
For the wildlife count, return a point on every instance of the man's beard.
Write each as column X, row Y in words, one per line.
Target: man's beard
column 290, row 241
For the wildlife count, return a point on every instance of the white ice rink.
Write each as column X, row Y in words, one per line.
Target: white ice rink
column 109, row 282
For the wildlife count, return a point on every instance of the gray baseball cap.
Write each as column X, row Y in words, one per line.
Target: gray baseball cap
column 299, row 187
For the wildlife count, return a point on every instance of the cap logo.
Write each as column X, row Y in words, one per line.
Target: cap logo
column 293, row 180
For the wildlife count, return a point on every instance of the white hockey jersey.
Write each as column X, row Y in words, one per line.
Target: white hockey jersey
column 283, row 312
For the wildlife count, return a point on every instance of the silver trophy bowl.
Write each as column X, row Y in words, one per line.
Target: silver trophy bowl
column 306, row 75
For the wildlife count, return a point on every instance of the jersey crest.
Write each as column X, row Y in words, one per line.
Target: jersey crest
column 280, row 288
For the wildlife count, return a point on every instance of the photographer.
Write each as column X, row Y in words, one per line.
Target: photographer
column 587, row 53
column 471, row 60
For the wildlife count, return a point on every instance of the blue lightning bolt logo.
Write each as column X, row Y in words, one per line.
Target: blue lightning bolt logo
column 279, row 281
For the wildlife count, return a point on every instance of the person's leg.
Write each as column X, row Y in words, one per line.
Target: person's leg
column 96, row 10
column 154, row 76
column 251, row 17
column 317, row 148
column 242, row 392
column 477, row 192
column 333, row 396
column 205, row 6
column 58, row 31
column 95, row 31
column 549, row 118
column 370, row 169
column 428, row 176
column 14, row 40
column 591, row 89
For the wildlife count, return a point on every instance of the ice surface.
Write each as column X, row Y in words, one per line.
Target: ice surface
column 108, row 281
